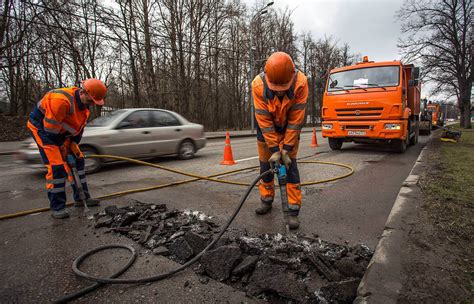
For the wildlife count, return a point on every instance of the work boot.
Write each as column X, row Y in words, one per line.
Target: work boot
column 90, row 202
column 60, row 214
column 264, row 208
column 293, row 222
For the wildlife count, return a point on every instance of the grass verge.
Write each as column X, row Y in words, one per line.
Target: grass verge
column 449, row 189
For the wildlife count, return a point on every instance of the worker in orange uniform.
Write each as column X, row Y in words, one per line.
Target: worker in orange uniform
column 57, row 123
column 279, row 95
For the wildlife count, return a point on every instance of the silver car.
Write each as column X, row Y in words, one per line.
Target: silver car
column 134, row 133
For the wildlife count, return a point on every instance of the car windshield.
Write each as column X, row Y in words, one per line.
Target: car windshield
column 106, row 119
column 377, row 77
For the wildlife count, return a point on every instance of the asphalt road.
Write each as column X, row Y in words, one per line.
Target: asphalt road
column 37, row 251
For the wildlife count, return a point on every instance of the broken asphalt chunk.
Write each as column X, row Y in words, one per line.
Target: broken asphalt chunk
column 196, row 241
column 128, row 218
column 340, row 292
column 246, row 265
column 162, row 250
column 219, row 262
column 181, row 250
column 272, row 278
column 349, row 268
column 113, row 210
column 323, row 267
column 104, row 221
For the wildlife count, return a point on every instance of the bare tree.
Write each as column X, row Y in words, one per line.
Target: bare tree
column 13, row 25
column 191, row 56
column 439, row 37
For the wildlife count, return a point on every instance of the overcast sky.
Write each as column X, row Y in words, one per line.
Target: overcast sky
column 368, row 26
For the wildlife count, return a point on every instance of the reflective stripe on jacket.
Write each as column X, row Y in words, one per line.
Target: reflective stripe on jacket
column 274, row 116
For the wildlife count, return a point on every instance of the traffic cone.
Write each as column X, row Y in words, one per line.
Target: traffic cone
column 228, row 158
column 314, row 140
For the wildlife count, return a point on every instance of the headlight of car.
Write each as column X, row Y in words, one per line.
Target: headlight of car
column 327, row 126
column 392, row 127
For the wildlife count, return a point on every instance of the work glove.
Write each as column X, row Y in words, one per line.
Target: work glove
column 285, row 158
column 75, row 150
column 275, row 158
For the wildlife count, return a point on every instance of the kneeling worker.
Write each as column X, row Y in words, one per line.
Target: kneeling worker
column 279, row 95
column 57, row 124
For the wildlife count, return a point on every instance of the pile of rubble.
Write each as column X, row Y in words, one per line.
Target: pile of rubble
column 288, row 268
column 276, row 268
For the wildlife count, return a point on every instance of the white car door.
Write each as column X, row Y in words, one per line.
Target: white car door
column 167, row 132
column 134, row 135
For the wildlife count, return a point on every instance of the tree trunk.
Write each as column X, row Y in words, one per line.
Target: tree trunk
column 466, row 114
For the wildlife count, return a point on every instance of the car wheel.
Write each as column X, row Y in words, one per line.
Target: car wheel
column 186, row 149
column 92, row 165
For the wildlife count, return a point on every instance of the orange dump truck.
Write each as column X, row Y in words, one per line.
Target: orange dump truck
column 372, row 102
column 436, row 115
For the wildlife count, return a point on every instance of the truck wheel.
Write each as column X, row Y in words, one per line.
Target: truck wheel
column 417, row 134
column 414, row 139
column 335, row 143
column 399, row 145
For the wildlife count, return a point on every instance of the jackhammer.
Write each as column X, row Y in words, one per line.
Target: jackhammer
column 71, row 161
column 280, row 171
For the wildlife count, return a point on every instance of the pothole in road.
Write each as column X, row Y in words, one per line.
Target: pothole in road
column 272, row 267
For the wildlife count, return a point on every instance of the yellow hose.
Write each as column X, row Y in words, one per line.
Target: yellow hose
column 195, row 178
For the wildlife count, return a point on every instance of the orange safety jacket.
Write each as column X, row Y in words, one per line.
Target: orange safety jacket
column 275, row 117
column 61, row 114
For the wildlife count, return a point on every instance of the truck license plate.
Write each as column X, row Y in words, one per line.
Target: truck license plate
column 356, row 132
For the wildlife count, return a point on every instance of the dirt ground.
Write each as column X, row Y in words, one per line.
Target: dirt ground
column 13, row 128
column 438, row 257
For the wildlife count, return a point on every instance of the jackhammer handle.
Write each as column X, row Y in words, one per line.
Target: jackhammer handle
column 274, row 166
column 71, row 160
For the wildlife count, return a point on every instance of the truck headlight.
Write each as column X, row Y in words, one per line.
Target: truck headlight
column 327, row 126
column 392, row 127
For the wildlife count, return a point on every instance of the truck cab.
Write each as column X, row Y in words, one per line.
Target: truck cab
column 436, row 115
column 372, row 102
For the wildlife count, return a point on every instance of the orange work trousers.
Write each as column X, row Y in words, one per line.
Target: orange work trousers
column 54, row 156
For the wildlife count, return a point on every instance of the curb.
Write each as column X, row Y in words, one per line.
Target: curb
column 383, row 279
column 231, row 136
column 251, row 134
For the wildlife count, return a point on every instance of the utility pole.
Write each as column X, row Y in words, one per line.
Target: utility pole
column 262, row 11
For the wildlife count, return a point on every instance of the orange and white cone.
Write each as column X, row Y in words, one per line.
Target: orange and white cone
column 228, row 158
column 314, row 140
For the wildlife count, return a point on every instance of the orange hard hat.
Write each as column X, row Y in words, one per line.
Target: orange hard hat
column 96, row 90
column 279, row 71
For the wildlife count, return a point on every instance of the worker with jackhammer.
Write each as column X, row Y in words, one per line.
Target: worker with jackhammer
column 57, row 123
column 279, row 95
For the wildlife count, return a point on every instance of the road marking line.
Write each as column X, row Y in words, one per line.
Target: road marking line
column 244, row 159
